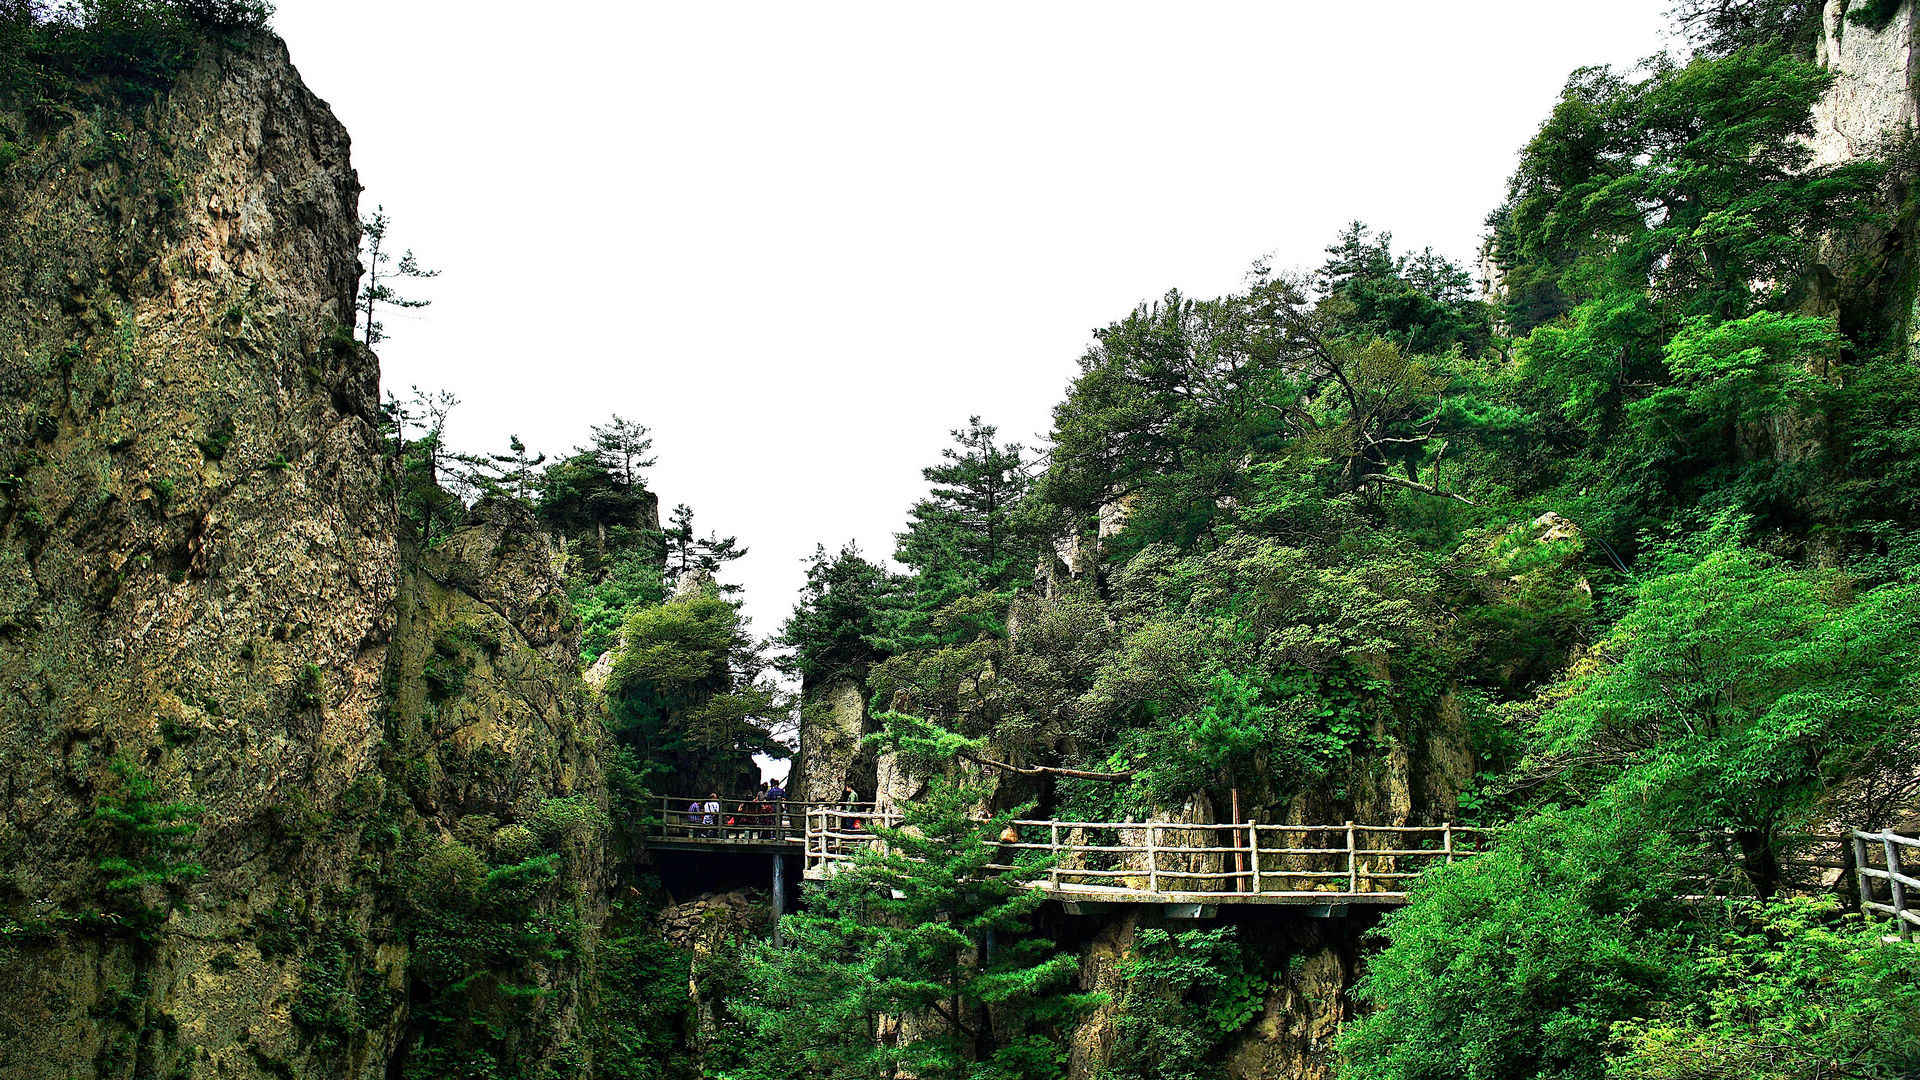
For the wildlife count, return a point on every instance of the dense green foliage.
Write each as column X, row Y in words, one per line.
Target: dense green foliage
column 1787, row 991
column 1641, row 532
column 838, row 626
column 481, row 935
column 1187, row 993
column 915, row 959
column 1655, row 244
column 687, row 689
column 58, row 54
column 640, row 1016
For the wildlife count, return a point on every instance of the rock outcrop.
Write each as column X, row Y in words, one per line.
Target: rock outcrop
column 198, row 556
column 203, row 588
column 833, row 723
column 1873, row 102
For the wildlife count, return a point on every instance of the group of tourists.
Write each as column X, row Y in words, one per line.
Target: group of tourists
column 763, row 815
column 758, row 817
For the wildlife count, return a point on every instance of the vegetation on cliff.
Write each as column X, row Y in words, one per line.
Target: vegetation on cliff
column 1646, row 515
column 1620, row 554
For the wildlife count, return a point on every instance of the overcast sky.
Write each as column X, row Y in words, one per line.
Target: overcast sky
column 803, row 240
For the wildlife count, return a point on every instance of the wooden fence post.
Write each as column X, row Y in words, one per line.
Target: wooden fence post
column 1153, row 857
column 1446, row 833
column 1053, row 854
column 1861, row 882
column 1353, row 863
column 1253, row 841
column 1233, row 837
column 1896, row 887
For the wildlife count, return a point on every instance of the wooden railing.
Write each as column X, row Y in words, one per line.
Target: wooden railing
column 1892, row 859
column 1182, row 862
column 744, row 821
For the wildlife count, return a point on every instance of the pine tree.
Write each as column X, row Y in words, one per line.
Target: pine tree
column 379, row 292
column 513, row 474
column 690, row 553
column 415, row 432
column 625, row 449
column 148, row 859
column 835, row 629
column 961, row 540
column 917, row 958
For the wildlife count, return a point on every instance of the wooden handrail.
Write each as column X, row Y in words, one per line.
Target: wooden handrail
column 1902, row 906
column 1173, row 859
column 1258, row 859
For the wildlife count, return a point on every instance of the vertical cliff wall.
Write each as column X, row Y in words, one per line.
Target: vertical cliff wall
column 1872, row 102
column 200, row 584
column 1869, row 278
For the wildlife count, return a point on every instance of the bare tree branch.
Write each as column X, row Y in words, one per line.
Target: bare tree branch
column 1050, row 770
column 1424, row 489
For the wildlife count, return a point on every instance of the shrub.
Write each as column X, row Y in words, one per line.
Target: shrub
column 146, row 863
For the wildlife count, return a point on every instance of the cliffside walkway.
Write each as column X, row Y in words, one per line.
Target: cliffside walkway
column 1192, row 868
column 740, row 826
column 1329, row 867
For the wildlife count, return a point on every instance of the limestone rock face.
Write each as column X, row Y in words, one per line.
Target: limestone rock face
column 1304, row 1011
column 1873, row 100
column 1872, row 107
column 832, row 724
column 486, row 707
column 1090, row 1049
column 201, row 576
column 196, row 555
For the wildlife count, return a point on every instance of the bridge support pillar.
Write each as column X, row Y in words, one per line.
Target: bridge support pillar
column 779, row 894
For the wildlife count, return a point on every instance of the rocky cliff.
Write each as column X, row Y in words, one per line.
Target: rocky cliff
column 1872, row 103
column 1867, row 277
column 229, row 723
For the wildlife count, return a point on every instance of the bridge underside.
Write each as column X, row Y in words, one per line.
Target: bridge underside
column 726, row 845
column 1104, row 894
column 1081, row 899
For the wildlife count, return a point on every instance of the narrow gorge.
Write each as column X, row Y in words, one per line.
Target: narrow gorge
column 333, row 750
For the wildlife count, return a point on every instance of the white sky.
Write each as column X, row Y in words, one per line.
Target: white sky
column 802, row 240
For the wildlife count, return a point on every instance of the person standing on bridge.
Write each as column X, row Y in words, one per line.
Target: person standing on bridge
column 777, row 803
column 762, row 812
column 710, row 813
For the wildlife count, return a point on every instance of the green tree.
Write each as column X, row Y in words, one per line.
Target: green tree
column 917, row 958
column 1718, row 27
column 688, row 692
column 126, row 49
column 1736, row 691
column 148, row 844
column 1788, row 990
column 1424, row 302
column 415, row 431
column 1517, row 964
column 1187, row 993
column 513, row 474
column 1734, row 695
column 380, row 291
column 690, row 553
column 1696, row 179
column 836, row 627
column 485, row 941
column 961, row 540
column 625, row 449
